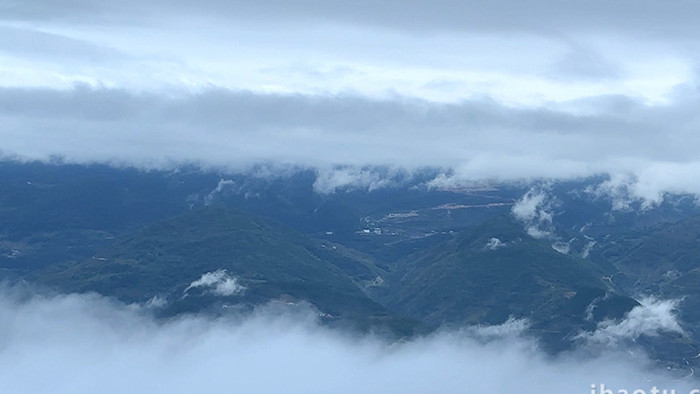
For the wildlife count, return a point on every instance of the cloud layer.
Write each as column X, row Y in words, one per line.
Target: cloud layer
column 499, row 91
column 86, row 344
column 447, row 51
column 650, row 150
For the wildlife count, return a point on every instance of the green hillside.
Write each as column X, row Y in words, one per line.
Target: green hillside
column 497, row 271
column 665, row 264
column 271, row 261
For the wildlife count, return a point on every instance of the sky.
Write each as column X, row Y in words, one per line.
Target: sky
column 86, row 344
column 499, row 90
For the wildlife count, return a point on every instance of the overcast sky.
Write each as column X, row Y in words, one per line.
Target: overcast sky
column 496, row 90
column 492, row 90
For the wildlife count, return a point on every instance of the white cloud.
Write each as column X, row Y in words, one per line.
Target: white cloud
column 511, row 328
column 587, row 249
column 156, row 302
column 562, row 247
column 223, row 184
column 494, row 243
column 329, row 180
column 650, row 318
column 535, row 209
column 271, row 351
column 218, row 282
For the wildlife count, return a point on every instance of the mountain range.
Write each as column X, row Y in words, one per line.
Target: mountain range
column 402, row 260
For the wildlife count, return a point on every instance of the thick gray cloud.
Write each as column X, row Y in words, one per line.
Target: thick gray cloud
column 642, row 17
column 86, row 344
column 648, row 149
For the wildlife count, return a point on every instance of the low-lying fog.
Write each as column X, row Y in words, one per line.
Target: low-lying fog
column 89, row 344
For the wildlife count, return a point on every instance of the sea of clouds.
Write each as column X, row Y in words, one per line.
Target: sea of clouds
column 88, row 344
